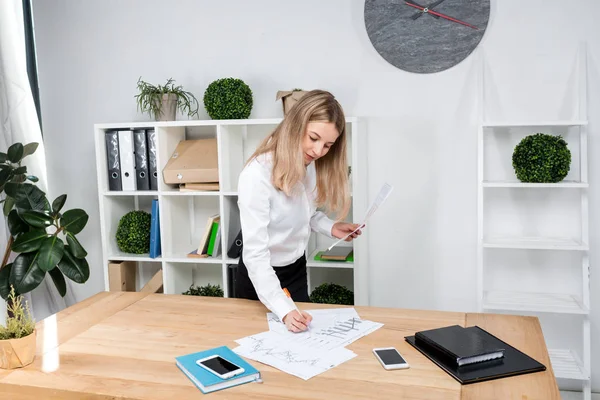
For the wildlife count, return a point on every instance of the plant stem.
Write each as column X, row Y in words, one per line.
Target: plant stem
column 7, row 252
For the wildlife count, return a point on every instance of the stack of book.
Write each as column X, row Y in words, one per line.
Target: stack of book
column 472, row 354
column 210, row 243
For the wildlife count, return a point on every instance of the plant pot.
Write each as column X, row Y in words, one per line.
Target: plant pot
column 17, row 353
column 289, row 98
column 168, row 107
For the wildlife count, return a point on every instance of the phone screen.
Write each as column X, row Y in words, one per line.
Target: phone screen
column 390, row 356
column 220, row 365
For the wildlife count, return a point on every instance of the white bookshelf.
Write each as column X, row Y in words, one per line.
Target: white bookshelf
column 533, row 238
column 183, row 215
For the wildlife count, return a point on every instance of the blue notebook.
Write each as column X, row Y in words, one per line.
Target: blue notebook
column 207, row 381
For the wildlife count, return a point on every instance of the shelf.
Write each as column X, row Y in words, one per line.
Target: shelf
column 517, row 184
column 534, row 302
column 192, row 123
column 508, row 124
column 133, row 257
column 534, row 243
column 188, row 193
column 567, row 365
column 192, row 260
column 312, row 263
column 115, row 193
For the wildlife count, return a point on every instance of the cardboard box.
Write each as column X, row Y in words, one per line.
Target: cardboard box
column 289, row 98
column 121, row 276
column 193, row 161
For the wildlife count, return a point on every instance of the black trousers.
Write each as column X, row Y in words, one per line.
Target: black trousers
column 292, row 277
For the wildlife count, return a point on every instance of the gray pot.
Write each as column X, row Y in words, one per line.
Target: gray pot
column 168, row 107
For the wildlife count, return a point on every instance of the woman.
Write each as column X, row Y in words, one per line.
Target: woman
column 297, row 168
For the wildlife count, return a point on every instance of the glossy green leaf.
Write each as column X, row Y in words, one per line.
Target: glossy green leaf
column 30, row 241
column 26, row 274
column 74, row 220
column 30, row 197
column 58, row 203
column 37, row 219
column 8, row 205
column 3, row 157
column 30, row 148
column 11, row 189
column 15, row 152
column 74, row 268
column 15, row 224
column 5, row 173
column 32, row 178
column 21, row 170
column 76, row 248
column 59, row 281
column 51, row 252
column 5, row 281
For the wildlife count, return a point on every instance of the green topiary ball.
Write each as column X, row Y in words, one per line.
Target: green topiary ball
column 207, row 290
column 541, row 158
column 331, row 293
column 228, row 98
column 133, row 232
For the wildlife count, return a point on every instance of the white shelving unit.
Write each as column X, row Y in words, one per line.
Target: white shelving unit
column 183, row 215
column 533, row 237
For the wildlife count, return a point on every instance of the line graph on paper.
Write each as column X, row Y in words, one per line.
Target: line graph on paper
column 329, row 329
column 272, row 349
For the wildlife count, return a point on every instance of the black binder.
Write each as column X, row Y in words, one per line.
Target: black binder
column 464, row 345
column 513, row 363
column 141, row 160
column 236, row 247
column 112, row 160
column 152, row 167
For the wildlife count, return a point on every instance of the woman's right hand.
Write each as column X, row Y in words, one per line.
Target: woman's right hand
column 297, row 322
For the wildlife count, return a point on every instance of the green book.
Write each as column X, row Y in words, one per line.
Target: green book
column 320, row 253
column 212, row 240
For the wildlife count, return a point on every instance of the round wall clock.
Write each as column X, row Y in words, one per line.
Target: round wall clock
column 426, row 36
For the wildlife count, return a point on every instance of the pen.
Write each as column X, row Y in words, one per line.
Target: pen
column 287, row 293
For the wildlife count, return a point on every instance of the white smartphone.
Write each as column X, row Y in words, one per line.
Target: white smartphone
column 220, row 367
column 390, row 358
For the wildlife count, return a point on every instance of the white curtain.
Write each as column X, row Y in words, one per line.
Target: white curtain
column 19, row 123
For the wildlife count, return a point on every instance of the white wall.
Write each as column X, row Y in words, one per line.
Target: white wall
column 422, row 128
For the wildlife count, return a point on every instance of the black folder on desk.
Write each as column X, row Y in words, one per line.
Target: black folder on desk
column 513, row 363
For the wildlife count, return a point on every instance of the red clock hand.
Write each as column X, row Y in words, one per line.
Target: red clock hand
column 424, row 9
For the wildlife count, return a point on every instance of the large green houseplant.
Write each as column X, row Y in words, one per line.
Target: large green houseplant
column 37, row 230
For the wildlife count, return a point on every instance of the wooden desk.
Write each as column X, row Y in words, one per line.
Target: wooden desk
column 123, row 345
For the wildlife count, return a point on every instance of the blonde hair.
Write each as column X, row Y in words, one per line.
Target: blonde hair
column 284, row 143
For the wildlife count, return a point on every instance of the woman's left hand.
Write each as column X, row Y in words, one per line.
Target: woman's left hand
column 341, row 229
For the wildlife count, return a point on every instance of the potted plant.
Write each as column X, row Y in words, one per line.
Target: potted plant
column 162, row 101
column 18, row 337
column 331, row 293
column 207, row 290
column 289, row 98
column 228, row 98
column 37, row 230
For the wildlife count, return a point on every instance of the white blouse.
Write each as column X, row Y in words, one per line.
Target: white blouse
column 276, row 228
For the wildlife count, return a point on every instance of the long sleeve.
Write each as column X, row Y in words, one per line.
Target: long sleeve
column 254, row 205
column 319, row 222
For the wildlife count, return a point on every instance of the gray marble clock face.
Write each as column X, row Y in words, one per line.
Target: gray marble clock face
column 415, row 41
